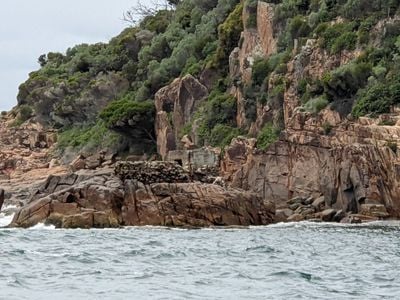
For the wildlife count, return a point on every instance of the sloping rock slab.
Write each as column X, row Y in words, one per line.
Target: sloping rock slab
column 107, row 200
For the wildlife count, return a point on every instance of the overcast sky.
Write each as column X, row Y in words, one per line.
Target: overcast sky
column 29, row 28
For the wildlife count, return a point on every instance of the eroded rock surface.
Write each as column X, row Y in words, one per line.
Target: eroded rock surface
column 108, row 198
column 175, row 106
column 25, row 158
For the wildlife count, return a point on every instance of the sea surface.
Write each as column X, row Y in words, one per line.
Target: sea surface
column 283, row 261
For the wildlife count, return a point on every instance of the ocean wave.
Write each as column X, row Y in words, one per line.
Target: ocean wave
column 5, row 217
column 41, row 226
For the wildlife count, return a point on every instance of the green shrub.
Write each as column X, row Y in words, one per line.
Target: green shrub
column 316, row 105
column 298, row 27
column 337, row 37
column 157, row 23
column 25, row 112
column 392, row 145
column 251, row 7
column 263, row 67
column 142, row 113
column 387, row 122
column 346, row 41
column 276, row 95
column 220, row 109
column 302, row 86
column 260, row 70
column 344, row 82
column 228, row 37
column 379, row 71
column 221, row 135
column 267, row 136
column 354, row 9
column 95, row 136
column 377, row 98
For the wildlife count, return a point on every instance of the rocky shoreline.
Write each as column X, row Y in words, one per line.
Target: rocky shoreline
column 209, row 189
column 163, row 194
column 324, row 166
column 137, row 194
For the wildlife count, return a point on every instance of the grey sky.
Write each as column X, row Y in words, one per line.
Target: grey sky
column 29, row 28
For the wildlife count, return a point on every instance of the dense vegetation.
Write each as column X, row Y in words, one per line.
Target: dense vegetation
column 197, row 35
column 108, row 89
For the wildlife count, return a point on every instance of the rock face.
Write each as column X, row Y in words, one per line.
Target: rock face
column 25, row 155
column 103, row 199
column 24, row 147
column 347, row 170
column 258, row 42
column 327, row 154
column 175, row 106
column 1, row 198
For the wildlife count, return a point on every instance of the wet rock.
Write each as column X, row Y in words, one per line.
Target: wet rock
column 351, row 219
column 83, row 220
column 33, row 213
column 308, row 201
column 296, row 200
column 64, row 208
column 319, row 203
column 295, row 206
column 281, row 215
column 328, row 214
column 307, row 211
column 295, row 218
column 374, row 210
column 339, row 216
column 2, row 193
column 105, row 220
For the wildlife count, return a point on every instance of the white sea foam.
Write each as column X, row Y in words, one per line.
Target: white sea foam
column 41, row 226
column 5, row 219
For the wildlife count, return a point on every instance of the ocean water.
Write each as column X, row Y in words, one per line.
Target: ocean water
column 284, row 261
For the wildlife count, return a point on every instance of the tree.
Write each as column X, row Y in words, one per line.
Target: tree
column 42, row 60
column 141, row 11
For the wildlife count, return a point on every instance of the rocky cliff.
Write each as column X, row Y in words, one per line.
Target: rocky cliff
column 296, row 100
column 352, row 164
column 25, row 158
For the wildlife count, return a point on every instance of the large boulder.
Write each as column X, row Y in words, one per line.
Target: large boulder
column 193, row 204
